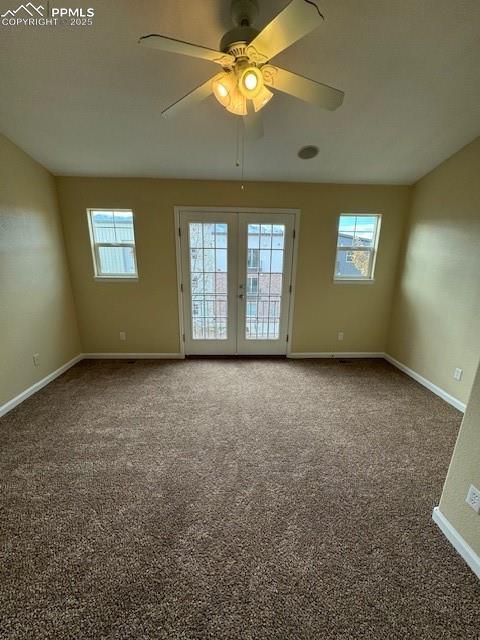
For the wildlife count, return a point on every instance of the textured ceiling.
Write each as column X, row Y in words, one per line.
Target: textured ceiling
column 87, row 100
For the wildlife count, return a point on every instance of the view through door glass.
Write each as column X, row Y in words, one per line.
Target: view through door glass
column 265, row 258
column 209, row 280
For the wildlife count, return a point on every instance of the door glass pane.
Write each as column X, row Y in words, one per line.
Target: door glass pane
column 195, row 235
column 254, row 236
column 277, row 262
column 266, row 236
column 221, row 237
column 265, row 261
column 208, row 280
column 197, row 283
column 196, row 260
column 210, row 283
column 209, row 235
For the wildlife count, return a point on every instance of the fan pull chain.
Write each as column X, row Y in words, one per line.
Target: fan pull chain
column 237, row 151
column 243, row 157
column 240, row 152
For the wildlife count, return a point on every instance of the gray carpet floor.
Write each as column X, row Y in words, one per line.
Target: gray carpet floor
column 229, row 499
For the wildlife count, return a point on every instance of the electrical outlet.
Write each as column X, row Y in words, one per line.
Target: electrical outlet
column 36, row 359
column 473, row 499
column 457, row 374
column 123, row 336
column 340, row 336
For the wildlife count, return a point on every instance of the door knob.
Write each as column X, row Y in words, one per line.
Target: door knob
column 240, row 295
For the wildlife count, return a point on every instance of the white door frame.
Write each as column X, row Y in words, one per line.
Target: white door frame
column 178, row 209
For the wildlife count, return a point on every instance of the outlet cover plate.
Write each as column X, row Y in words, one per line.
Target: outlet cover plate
column 473, row 499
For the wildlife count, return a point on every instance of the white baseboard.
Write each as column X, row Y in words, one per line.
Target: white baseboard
column 455, row 402
column 335, row 354
column 8, row 406
column 133, row 356
column 11, row 404
column 456, row 540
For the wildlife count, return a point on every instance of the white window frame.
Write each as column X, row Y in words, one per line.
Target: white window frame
column 95, row 246
column 346, row 249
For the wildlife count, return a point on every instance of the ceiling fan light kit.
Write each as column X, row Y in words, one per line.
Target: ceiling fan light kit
column 238, row 104
column 250, row 80
column 241, row 88
column 223, row 86
column 233, row 88
column 261, row 100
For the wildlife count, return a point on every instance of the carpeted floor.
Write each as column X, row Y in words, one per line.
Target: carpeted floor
column 229, row 499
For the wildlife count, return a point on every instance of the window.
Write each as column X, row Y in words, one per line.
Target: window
column 357, row 247
column 113, row 243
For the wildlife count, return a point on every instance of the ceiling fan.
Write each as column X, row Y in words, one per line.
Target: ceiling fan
column 245, row 54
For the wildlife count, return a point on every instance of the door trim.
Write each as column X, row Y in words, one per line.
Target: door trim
column 178, row 209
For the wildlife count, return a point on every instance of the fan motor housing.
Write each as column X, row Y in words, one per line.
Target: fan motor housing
column 237, row 37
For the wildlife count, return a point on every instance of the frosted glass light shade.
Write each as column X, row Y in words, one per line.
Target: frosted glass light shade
column 250, row 82
column 238, row 104
column 261, row 100
column 223, row 87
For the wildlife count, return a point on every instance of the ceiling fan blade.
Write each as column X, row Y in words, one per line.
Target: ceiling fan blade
column 295, row 21
column 253, row 123
column 310, row 91
column 190, row 100
column 171, row 45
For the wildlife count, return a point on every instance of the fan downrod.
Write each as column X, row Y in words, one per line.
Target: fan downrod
column 244, row 12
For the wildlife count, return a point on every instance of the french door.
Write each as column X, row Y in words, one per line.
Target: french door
column 236, row 281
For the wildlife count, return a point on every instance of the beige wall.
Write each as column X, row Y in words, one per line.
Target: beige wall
column 434, row 322
column 464, row 471
column 436, row 316
column 148, row 310
column 36, row 307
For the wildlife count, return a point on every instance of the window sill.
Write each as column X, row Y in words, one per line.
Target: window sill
column 115, row 278
column 353, row 281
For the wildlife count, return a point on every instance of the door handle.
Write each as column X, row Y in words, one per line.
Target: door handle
column 240, row 295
